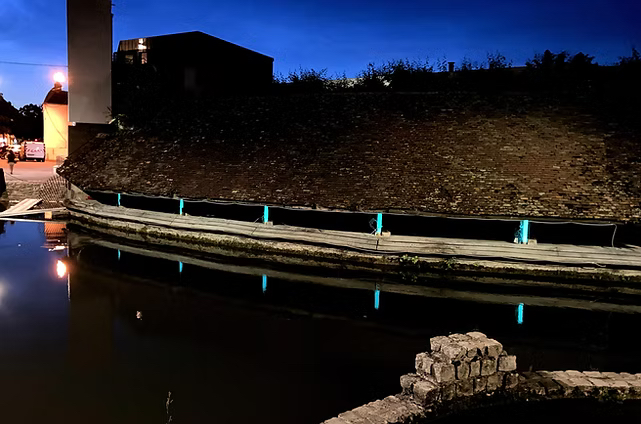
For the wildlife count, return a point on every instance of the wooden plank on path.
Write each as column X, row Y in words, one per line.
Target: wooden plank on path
column 21, row 207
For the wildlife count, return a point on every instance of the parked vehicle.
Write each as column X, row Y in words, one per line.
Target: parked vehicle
column 33, row 150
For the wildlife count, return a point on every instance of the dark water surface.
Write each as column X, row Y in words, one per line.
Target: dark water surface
column 108, row 340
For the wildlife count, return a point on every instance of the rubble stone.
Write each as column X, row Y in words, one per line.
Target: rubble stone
column 423, row 364
column 480, row 384
column 448, row 390
column 453, row 351
column 437, row 342
column 426, row 392
column 465, row 387
column 507, row 363
column 494, row 382
column 462, row 370
column 488, row 366
column 443, row 372
column 511, row 380
column 407, row 382
column 493, row 348
column 475, row 367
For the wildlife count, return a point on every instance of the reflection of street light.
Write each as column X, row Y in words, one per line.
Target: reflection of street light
column 59, row 77
column 61, row 269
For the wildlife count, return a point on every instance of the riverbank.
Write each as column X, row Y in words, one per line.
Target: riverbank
column 584, row 268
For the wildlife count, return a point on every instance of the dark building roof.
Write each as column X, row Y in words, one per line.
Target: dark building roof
column 418, row 153
column 57, row 96
column 182, row 41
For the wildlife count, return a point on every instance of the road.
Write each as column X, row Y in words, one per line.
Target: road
column 31, row 172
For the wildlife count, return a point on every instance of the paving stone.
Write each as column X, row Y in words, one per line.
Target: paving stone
column 423, row 364
column 573, row 373
column 437, row 342
column 628, row 376
column 619, row 383
column 493, row 348
column 448, row 390
column 480, row 384
column 475, row 367
column 443, row 372
column 494, row 382
column 559, row 374
column 453, row 351
column 507, row 363
column 488, row 366
column 462, row 370
column 426, row 392
column 593, row 374
column 465, row 387
column 370, row 413
column 511, row 380
column 611, row 374
column 537, row 388
column 551, row 387
column 531, row 375
column 407, row 382
column 353, row 418
column 580, row 381
column 635, row 387
column 459, row 338
column 600, row 382
column 335, row 421
column 476, row 335
column 566, row 386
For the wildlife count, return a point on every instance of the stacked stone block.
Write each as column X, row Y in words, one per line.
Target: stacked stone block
column 460, row 365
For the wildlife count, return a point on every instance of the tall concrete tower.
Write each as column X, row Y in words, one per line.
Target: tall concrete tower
column 89, row 49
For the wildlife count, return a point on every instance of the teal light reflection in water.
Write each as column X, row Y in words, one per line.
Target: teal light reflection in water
column 180, row 267
column 377, row 297
column 519, row 314
column 118, row 254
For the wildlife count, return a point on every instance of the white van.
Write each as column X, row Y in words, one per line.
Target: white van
column 33, row 150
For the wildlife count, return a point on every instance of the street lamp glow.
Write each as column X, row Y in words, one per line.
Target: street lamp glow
column 59, row 77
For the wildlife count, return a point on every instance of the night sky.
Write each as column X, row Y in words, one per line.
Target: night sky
column 342, row 36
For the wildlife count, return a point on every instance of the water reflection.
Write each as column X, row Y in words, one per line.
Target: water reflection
column 302, row 346
column 61, row 269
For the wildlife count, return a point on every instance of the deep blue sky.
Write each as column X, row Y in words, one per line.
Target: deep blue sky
column 337, row 35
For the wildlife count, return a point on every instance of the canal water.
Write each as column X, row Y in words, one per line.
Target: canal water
column 92, row 331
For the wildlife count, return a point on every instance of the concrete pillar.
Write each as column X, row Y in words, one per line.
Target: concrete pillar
column 89, row 49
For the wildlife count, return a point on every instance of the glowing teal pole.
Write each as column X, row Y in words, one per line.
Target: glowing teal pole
column 180, row 267
column 524, row 231
column 182, row 205
column 264, row 283
column 118, row 199
column 379, row 223
column 519, row 314
column 377, row 297
column 265, row 214
column 118, row 254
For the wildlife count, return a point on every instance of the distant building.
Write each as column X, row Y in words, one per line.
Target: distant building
column 55, row 113
column 195, row 63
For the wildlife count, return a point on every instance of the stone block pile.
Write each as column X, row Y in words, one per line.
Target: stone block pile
column 460, row 365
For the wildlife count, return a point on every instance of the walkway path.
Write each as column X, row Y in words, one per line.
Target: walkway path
column 629, row 257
